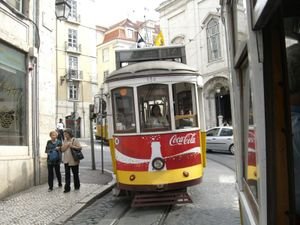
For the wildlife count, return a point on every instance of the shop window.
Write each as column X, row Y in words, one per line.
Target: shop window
column 185, row 110
column 154, row 107
column 123, row 108
column 13, row 117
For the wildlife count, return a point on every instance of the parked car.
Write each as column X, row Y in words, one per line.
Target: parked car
column 220, row 139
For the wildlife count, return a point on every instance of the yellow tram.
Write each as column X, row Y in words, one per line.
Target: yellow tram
column 154, row 133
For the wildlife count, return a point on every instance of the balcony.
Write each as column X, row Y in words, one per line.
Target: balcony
column 74, row 75
column 73, row 49
column 74, row 19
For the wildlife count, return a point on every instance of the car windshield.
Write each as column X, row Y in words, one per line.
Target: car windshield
column 226, row 132
column 213, row 132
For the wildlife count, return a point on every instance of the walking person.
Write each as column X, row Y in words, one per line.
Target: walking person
column 60, row 130
column 53, row 148
column 69, row 162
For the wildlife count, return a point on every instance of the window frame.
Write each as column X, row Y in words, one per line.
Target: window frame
column 74, row 9
column 120, row 125
column 72, row 38
column 14, row 3
column 73, row 91
column 213, row 40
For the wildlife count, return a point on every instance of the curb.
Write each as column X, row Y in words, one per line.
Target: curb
column 83, row 203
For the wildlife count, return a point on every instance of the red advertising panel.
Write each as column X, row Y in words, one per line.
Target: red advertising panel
column 178, row 150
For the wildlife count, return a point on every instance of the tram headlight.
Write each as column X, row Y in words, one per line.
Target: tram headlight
column 158, row 163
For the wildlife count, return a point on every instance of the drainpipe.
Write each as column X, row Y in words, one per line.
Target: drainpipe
column 35, row 101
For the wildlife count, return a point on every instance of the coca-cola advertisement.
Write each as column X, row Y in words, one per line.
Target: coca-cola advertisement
column 178, row 150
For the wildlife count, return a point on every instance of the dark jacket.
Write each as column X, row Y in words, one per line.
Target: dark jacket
column 50, row 145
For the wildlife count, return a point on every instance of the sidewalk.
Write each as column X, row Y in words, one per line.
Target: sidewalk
column 37, row 206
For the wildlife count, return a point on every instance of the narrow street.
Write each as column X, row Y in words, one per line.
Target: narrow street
column 215, row 201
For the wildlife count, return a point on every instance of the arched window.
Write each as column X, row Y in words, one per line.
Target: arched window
column 213, row 40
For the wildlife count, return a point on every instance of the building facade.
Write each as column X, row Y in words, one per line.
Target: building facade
column 123, row 35
column 197, row 25
column 76, row 66
column 27, row 92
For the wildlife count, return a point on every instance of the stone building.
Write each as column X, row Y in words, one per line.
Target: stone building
column 197, row 25
column 27, row 92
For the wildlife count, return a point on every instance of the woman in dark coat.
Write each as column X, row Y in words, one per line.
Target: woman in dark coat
column 53, row 145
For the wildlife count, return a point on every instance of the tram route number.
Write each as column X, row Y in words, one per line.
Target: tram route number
column 151, row 79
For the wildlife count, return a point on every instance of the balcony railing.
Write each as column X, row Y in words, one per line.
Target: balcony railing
column 74, row 75
column 74, row 49
column 75, row 19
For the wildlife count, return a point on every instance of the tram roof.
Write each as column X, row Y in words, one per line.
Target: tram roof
column 151, row 68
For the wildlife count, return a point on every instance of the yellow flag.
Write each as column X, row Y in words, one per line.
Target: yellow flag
column 159, row 40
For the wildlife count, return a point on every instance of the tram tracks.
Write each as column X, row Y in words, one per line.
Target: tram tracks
column 155, row 215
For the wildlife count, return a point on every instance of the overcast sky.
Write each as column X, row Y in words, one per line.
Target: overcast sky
column 112, row 11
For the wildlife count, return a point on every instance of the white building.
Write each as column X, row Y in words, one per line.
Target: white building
column 197, row 25
column 77, row 66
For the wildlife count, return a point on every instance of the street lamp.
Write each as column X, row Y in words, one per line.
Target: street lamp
column 62, row 9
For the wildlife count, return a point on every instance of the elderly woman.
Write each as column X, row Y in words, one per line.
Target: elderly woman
column 69, row 162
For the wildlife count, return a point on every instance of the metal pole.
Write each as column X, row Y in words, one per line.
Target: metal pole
column 74, row 119
column 92, row 142
column 101, row 133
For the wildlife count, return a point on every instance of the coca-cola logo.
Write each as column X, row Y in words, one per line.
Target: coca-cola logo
column 189, row 138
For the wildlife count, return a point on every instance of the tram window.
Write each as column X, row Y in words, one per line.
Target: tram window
column 154, row 107
column 123, row 110
column 292, row 37
column 185, row 109
column 249, row 152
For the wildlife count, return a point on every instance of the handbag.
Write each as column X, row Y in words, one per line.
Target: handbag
column 77, row 154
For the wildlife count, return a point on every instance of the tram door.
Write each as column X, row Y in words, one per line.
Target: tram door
column 292, row 49
column 266, row 89
column 282, row 95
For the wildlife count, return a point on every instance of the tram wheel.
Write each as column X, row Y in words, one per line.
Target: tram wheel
column 231, row 149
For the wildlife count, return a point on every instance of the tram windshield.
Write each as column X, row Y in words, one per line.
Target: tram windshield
column 154, row 107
